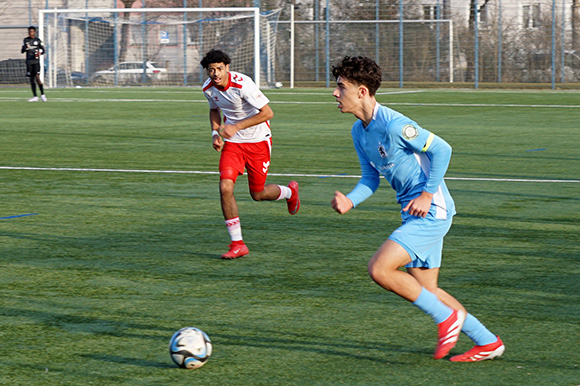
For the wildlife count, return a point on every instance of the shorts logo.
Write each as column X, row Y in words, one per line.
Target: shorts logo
column 266, row 166
column 410, row 132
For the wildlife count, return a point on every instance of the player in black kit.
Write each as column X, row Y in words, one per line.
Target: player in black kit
column 33, row 48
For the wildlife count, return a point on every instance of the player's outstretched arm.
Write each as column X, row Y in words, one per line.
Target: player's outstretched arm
column 341, row 203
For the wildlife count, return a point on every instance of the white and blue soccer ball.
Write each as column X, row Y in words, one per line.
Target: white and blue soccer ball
column 190, row 348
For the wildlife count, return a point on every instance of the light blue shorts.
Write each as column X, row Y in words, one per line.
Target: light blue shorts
column 422, row 238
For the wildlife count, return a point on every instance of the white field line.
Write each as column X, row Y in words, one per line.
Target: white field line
column 69, row 100
column 271, row 174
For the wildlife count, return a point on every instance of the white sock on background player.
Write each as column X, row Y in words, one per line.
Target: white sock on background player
column 234, row 228
column 285, row 193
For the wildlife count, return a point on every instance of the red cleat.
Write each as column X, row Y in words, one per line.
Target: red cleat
column 294, row 201
column 481, row 353
column 449, row 331
column 237, row 249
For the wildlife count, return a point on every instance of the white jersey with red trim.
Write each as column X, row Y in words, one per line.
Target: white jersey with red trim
column 239, row 100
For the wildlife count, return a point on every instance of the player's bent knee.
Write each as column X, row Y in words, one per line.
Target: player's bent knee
column 227, row 187
column 381, row 269
column 377, row 272
column 257, row 196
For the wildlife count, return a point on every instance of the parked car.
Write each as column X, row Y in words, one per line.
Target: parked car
column 131, row 72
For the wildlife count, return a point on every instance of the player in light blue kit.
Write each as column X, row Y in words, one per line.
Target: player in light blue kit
column 414, row 161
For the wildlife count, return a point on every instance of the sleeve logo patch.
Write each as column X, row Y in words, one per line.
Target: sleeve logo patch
column 410, row 132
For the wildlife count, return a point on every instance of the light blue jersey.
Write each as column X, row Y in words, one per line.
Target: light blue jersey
column 411, row 158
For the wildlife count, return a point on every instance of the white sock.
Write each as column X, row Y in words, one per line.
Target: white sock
column 285, row 193
column 234, row 228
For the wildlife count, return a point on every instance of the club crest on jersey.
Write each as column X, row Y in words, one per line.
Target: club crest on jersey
column 410, row 132
column 382, row 151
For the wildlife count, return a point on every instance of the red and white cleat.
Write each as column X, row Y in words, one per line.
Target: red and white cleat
column 481, row 353
column 237, row 249
column 449, row 331
column 294, row 201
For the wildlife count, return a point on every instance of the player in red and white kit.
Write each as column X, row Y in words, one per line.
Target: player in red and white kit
column 246, row 143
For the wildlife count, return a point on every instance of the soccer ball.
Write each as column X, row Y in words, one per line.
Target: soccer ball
column 190, row 348
column 278, row 85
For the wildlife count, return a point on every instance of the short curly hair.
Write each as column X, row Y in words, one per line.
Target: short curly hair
column 360, row 70
column 215, row 56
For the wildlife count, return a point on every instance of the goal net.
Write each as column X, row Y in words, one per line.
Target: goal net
column 159, row 46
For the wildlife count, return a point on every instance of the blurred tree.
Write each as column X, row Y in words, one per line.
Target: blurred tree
column 575, row 24
column 125, row 31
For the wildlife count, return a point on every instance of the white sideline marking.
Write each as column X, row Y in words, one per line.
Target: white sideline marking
column 68, row 100
column 271, row 174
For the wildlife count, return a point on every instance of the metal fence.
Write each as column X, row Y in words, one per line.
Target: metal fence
column 471, row 42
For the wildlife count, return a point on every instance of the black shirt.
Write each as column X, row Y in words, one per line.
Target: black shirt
column 33, row 48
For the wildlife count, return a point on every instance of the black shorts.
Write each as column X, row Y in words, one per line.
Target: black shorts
column 32, row 69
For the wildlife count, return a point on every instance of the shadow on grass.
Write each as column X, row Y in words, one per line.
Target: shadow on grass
column 267, row 340
column 312, row 344
column 140, row 362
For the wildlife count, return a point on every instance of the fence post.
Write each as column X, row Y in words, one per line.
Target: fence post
column 115, row 48
column 87, row 48
column 563, row 38
column 185, row 44
column 377, row 36
column 553, row 44
column 450, row 51
column 291, row 45
column 437, row 45
column 400, row 43
column 316, row 39
column 327, row 43
column 476, row 53
column 499, row 36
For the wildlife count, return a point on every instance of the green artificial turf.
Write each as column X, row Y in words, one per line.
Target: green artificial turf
column 109, row 264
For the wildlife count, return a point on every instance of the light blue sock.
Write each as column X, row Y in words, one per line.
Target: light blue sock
column 431, row 305
column 477, row 332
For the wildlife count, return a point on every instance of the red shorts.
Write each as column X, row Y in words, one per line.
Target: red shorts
column 254, row 157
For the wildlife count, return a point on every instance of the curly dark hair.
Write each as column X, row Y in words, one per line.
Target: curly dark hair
column 215, row 56
column 360, row 70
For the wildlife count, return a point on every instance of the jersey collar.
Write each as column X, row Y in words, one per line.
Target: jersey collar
column 376, row 110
